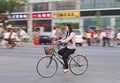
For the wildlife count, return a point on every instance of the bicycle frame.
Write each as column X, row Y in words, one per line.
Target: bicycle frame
column 59, row 58
column 75, row 63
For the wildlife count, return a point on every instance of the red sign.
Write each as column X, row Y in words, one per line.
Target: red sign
column 42, row 25
column 41, row 15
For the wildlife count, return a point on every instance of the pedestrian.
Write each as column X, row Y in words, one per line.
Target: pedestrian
column 36, row 37
column 69, row 48
column 118, row 38
column 5, row 41
column 53, row 35
column 88, row 37
column 111, row 36
column 12, row 38
column 95, row 39
column 22, row 33
column 104, row 36
column 84, row 38
column 58, row 34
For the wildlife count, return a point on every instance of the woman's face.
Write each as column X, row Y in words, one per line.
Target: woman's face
column 66, row 28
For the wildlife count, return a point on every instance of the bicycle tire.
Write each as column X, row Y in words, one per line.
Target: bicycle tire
column 47, row 66
column 78, row 64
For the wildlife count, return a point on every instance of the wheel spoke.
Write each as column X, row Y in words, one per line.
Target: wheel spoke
column 47, row 66
column 78, row 65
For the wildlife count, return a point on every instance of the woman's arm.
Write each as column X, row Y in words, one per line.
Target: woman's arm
column 72, row 35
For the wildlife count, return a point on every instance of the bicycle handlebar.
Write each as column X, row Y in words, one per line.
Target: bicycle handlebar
column 58, row 43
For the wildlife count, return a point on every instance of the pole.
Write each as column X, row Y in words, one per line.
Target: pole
column 30, row 21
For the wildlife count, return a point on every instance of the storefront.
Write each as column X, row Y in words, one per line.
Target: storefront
column 18, row 20
column 67, row 17
column 102, row 18
column 42, row 21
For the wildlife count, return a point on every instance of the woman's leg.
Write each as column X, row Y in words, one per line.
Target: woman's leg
column 61, row 51
column 65, row 57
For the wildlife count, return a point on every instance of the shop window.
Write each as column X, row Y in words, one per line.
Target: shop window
column 45, row 25
column 117, row 27
column 64, row 5
column 62, row 25
column 19, row 24
column 40, row 7
column 93, row 22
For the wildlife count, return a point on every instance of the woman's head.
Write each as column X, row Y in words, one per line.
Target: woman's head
column 68, row 28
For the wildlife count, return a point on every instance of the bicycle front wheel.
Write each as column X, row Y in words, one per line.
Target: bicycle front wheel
column 47, row 66
column 78, row 65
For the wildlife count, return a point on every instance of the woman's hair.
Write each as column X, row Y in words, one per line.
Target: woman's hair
column 70, row 28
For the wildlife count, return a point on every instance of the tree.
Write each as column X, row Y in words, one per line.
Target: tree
column 98, row 20
column 8, row 6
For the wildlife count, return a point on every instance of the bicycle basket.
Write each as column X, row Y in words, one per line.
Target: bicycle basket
column 49, row 50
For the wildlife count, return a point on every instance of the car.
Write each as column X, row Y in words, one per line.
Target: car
column 45, row 37
column 78, row 37
column 26, row 37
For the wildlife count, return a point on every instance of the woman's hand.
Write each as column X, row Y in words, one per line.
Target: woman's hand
column 58, row 44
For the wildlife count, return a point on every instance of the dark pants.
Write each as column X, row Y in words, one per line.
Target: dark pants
column 11, row 42
column 89, row 41
column 65, row 53
column 106, row 41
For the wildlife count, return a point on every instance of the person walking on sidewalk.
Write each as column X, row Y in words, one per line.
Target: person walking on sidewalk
column 22, row 33
column 36, row 37
column 12, row 38
column 118, row 38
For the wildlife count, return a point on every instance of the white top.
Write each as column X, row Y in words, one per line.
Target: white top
column 6, row 35
column 69, row 44
column 14, row 35
column 53, row 33
column 22, row 32
column 95, row 35
column 118, row 35
column 103, row 34
column 111, row 34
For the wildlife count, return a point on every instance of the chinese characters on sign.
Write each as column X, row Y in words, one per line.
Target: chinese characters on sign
column 41, row 24
column 17, row 16
column 26, row 16
column 41, row 15
column 65, row 14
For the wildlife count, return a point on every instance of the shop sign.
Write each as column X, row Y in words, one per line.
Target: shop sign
column 65, row 14
column 41, row 24
column 41, row 15
column 17, row 16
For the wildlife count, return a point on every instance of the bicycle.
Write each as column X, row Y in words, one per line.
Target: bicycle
column 47, row 66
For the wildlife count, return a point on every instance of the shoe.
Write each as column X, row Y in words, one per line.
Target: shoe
column 65, row 70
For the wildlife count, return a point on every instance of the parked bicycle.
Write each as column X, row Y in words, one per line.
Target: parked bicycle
column 47, row 66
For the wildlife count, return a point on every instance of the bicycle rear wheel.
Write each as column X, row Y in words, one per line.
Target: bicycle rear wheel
column 78, row 65
column 47, row 66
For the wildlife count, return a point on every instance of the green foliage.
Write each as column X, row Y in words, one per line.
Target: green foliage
column 10, row 5
column 3, row 6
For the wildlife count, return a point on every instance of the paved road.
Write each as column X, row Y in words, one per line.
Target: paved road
column 18, row 66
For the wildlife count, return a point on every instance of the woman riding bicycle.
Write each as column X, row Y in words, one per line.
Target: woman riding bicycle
column 70, row 47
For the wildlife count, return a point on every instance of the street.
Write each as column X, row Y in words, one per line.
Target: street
column 18, row 65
